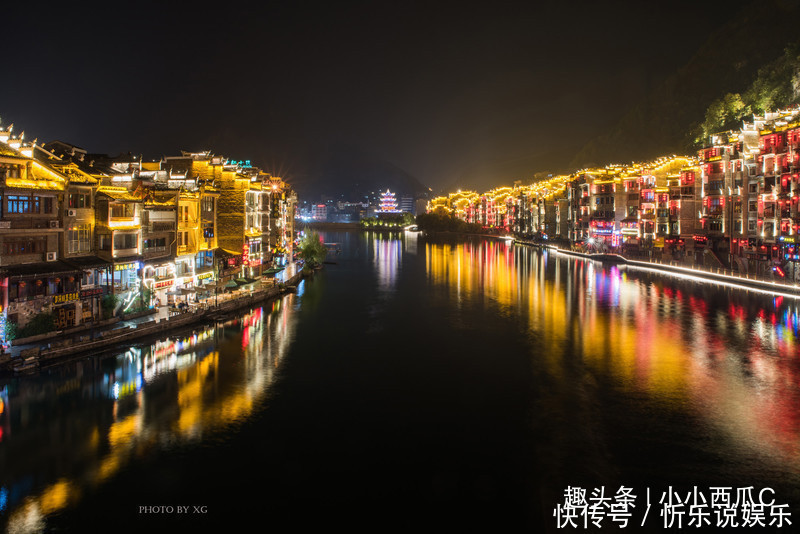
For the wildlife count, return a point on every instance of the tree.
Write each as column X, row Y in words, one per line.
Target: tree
column 109, row 304
column 312, row 250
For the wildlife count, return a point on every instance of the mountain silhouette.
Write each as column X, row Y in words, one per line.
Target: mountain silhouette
column 351, row 173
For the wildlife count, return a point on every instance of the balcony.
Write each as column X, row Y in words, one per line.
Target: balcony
column 160, row 226
column 154, row 252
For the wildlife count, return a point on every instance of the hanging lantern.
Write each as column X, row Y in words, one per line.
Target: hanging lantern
column 22, row 284
column 58, row 280
column 38, row 283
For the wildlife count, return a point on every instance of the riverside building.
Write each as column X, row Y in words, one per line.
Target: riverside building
column 735, row 205
column 84, row 237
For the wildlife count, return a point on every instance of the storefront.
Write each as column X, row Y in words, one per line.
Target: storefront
column 67, row 307
column 91, row 307
column 158, row 279
column 31, row 290
column 126, row 282
column 96, row 280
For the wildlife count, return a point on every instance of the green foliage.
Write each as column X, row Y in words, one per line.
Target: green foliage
column 442, row 222
column 40, row 324
column 312, row 250
column 108, row 305
column 387, row 221
column 776, row 86
column 11, row 331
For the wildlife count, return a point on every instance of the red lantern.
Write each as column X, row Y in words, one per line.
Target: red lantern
column 22, row 284
column 38, row 282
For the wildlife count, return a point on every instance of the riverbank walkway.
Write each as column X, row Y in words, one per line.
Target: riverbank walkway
column 715, row 275
column 109, row 333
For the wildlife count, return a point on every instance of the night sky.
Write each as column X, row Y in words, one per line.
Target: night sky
column 456, row 94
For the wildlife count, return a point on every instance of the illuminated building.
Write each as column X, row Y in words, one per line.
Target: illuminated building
column 319, row 212
column 388, row 203
column 283, row 204
column 35, row 278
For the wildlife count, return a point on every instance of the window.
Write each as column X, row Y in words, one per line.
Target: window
column 80, row 200
column 126, row 210
column 104, row 242
column 155, row 244
column 28, row 204
column 14, row 246
column 125, row 241
column 183, row 239
column 18, row 204
column 79, row 238
column 208, row 204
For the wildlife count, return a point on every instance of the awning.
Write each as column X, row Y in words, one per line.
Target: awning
column 224, row 253
column 231, row 284
column 187, row 290
column 87, row 262
column 44, row 268
column 245, row 281
column 127, row 259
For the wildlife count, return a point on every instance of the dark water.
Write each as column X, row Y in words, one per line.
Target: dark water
column 421, row 386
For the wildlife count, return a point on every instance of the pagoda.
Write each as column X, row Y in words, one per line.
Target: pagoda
column 388, row 203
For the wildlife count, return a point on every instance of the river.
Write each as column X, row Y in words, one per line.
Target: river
column 426, row 384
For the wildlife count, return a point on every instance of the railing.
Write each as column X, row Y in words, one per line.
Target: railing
column 165, row 226
column 721, row 271
column 689, row 269
column 151, row 251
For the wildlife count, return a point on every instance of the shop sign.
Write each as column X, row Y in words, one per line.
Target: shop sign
column 163, row 283
column 787, row 239
column 66, row 297
column 245, row 254
column 204, row 275
column 86, row 293
column 124, row 266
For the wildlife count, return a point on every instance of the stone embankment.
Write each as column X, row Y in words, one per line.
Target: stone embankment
column 111, row 334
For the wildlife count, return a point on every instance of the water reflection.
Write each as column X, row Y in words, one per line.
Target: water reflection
column 82, row 425
column 728, row 356
column 388, row 255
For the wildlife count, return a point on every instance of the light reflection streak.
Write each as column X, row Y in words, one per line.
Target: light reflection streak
column 735, row 367
column 387, row 260
column 203, row 403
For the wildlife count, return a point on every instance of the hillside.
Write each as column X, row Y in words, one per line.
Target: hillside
column 351, row 174
column 667, row 120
